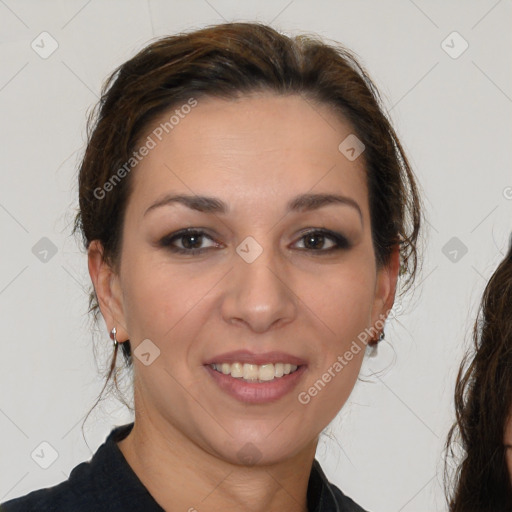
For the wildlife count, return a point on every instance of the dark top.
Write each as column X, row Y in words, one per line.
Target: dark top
column 108, row 483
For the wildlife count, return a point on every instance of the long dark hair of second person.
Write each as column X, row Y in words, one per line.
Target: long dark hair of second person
column 483, row 399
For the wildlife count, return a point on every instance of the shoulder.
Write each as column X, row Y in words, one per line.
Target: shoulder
column 324, row 496
column 346, row 504
column 64, row 496
column 92, row 485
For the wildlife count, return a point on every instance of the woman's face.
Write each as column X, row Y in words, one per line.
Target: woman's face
column 265, row 285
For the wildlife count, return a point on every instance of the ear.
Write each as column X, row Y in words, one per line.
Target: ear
column 385, row 288
column 108, row 290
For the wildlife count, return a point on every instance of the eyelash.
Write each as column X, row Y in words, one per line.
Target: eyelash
column 340, row 241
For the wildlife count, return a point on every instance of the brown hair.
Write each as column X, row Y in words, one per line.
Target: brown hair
column 483, row 400
column 226, row 61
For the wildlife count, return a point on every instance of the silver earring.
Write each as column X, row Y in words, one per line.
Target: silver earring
column 113, row 333
column 374, row 350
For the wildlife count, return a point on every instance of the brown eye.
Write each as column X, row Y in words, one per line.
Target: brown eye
column 315, row 241
column 191, row 241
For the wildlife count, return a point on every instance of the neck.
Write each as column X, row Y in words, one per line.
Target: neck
column 181, row 476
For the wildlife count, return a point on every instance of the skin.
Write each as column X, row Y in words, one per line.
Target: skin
column 508, row 444
column 255, row 154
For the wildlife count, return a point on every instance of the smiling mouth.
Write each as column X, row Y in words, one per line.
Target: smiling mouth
column 254, row 372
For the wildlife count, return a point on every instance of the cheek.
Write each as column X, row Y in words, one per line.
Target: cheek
column 152, row 293
column 344, row 299
column 160, row 297
column 148, row 299
column 508, row 455
column 342, row 306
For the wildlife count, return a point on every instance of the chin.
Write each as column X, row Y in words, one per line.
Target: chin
column 259, row 448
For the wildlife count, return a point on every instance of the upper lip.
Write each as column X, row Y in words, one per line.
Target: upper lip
column 245, row 356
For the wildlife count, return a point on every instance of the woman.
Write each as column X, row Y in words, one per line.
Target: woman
column 246, row 207
column 483, row 399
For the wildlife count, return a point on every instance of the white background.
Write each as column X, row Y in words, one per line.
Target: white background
column 454, row 118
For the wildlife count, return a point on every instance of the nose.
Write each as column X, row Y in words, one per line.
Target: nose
column 260, row 294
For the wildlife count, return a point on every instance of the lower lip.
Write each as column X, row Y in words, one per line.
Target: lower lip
column 257, row 392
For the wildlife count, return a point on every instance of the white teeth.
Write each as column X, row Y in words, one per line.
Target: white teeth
column 266, row 372
column 254, row 372
column 236, row 370
column 251, row 372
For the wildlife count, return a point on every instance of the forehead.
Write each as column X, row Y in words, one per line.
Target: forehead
column 254, row 147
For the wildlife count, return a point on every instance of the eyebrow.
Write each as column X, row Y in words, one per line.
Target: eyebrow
column 300, row 203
